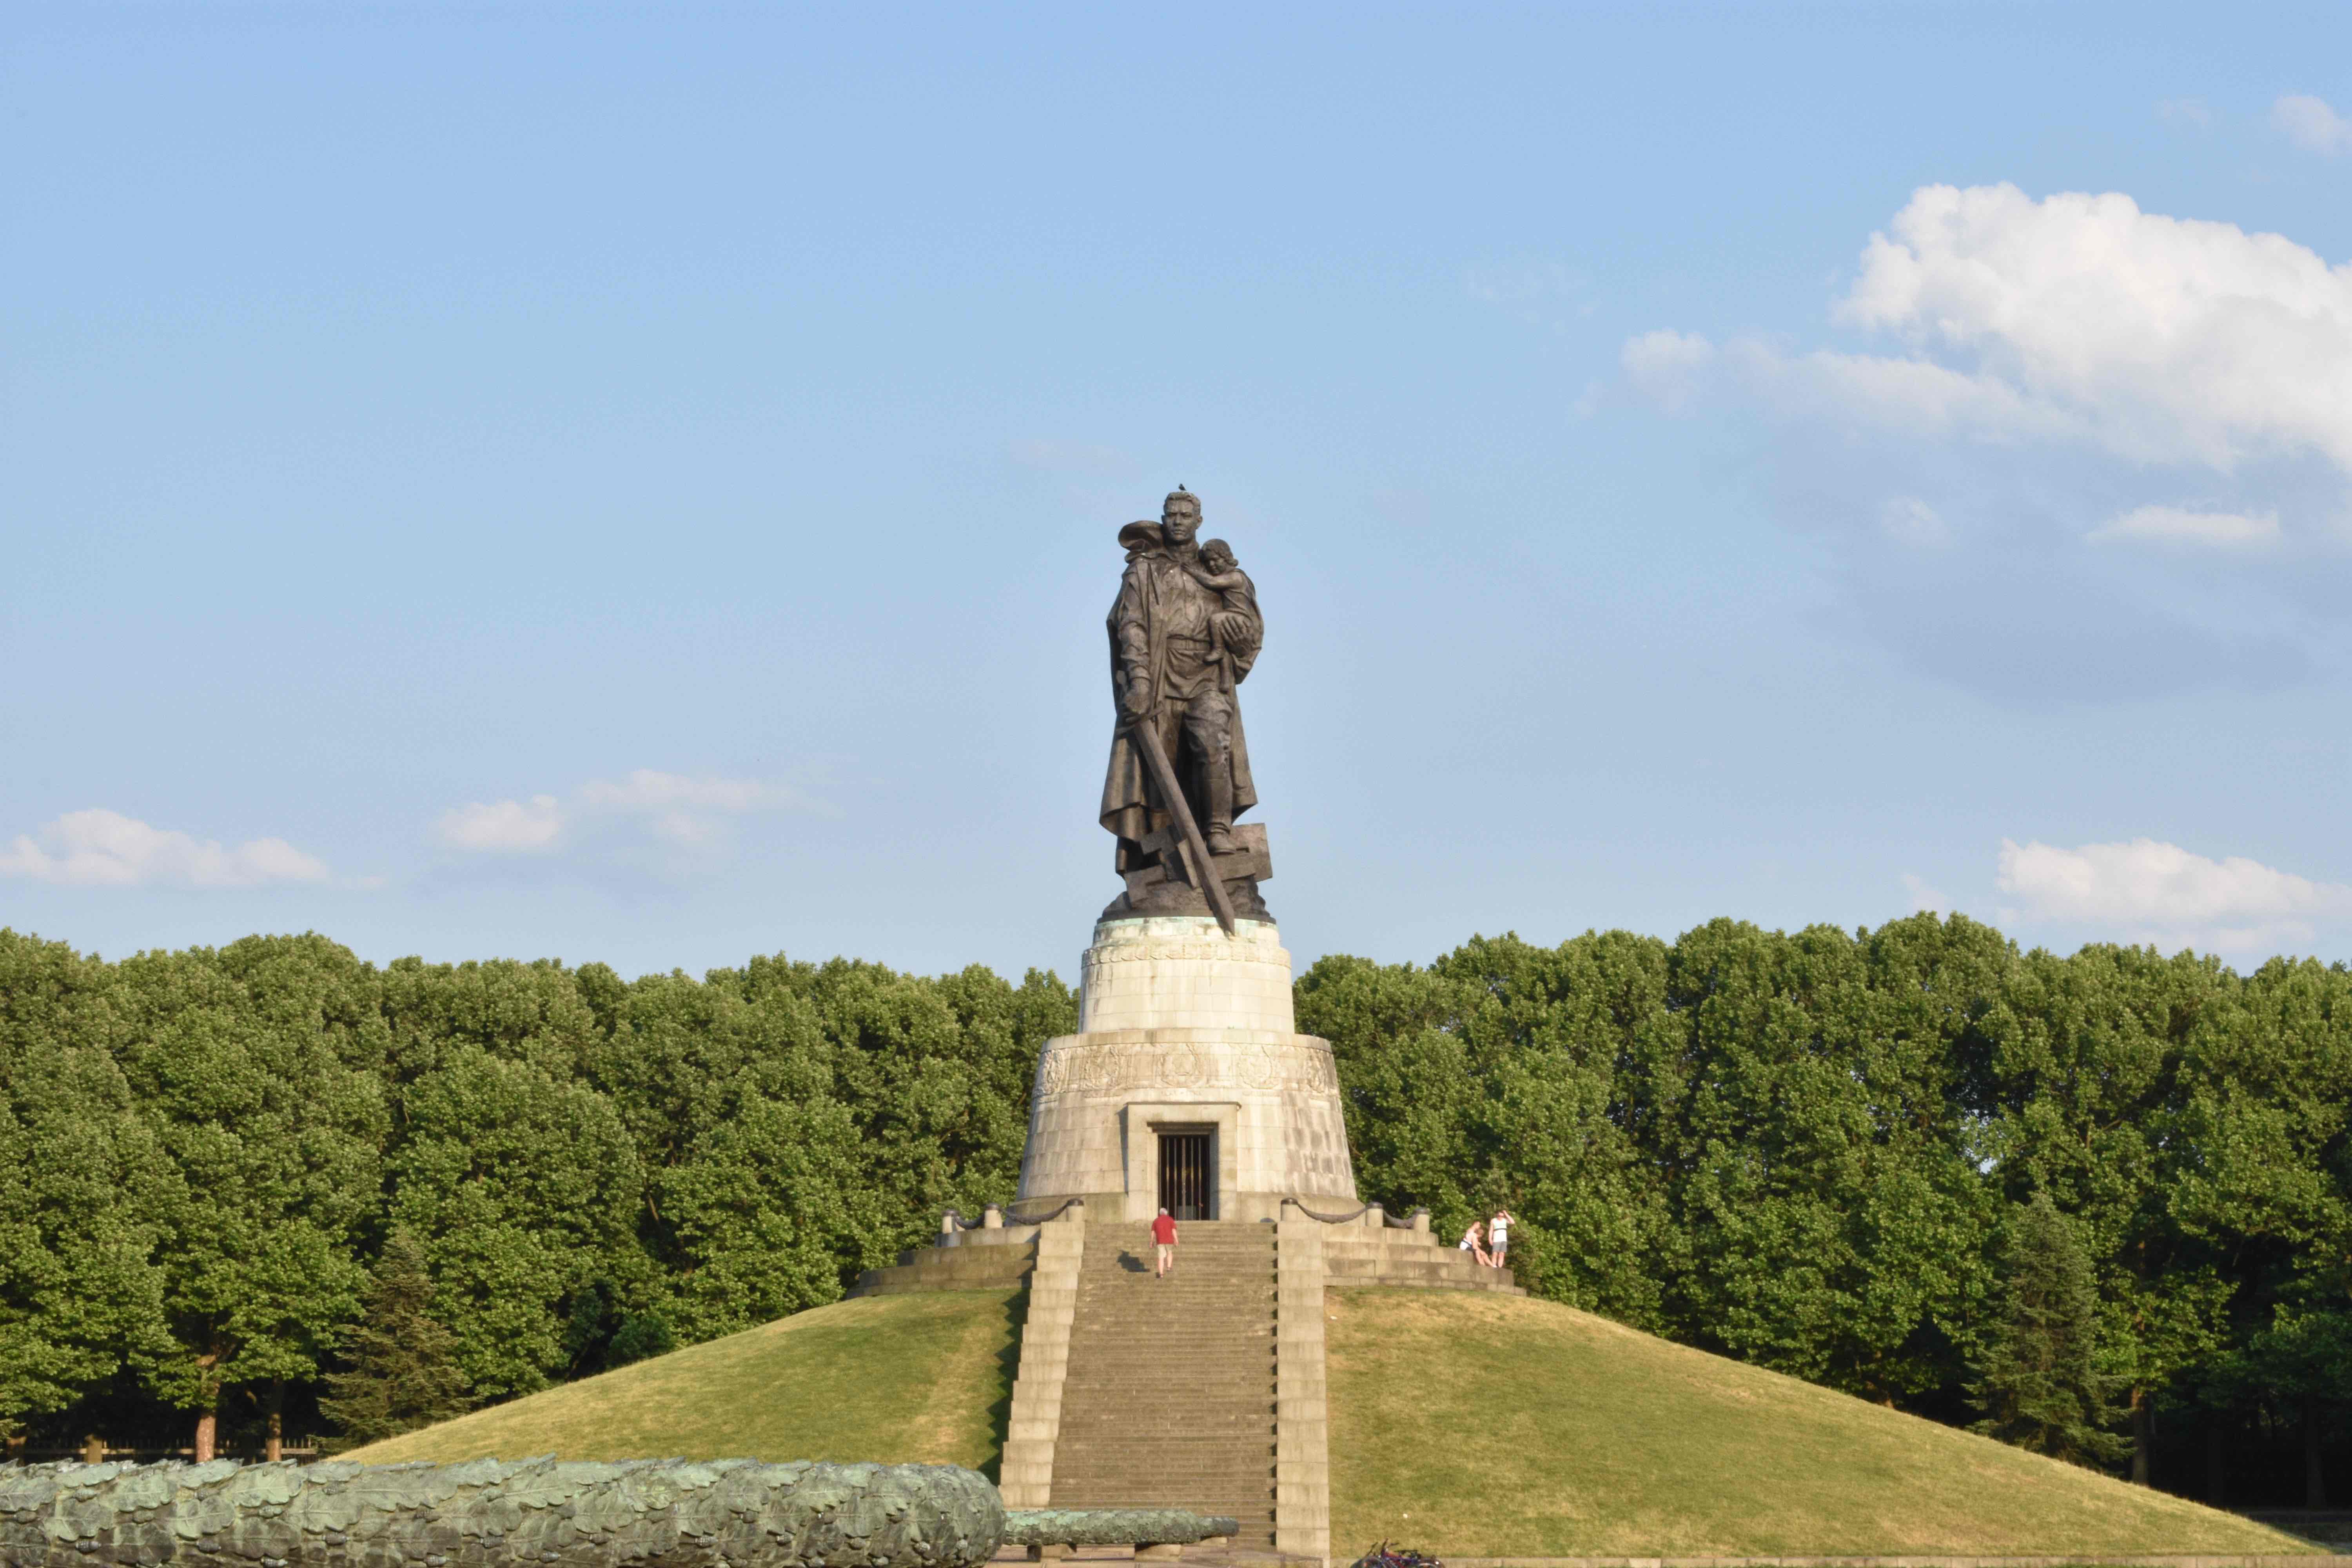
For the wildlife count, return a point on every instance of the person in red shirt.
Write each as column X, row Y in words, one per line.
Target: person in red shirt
column 1163, row 1235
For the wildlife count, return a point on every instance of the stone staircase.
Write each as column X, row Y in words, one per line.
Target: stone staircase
column 1170, row 1398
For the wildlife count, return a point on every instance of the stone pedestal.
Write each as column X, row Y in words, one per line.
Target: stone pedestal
column 1182, row 1027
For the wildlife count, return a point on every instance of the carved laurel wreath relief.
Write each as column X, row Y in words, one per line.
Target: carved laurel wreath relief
column 1111, row 1068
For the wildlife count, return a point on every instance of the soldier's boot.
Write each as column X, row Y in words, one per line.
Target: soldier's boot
column 1219, row 829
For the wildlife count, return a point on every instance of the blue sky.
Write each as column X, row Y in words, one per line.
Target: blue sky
column 641, row 485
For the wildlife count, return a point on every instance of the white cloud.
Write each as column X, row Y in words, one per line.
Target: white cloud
column 2176, row 525
column 2311, row 124
column 101, row 848
column 685, row 812
column 690, row 813
column 1924, row 897
column 1669, row 366
column 2159, row 337
column 1907, row 519
column 647, row 790
column 502, row 827
column 2191, row 109
column 2034, row 373
column 2151, row 890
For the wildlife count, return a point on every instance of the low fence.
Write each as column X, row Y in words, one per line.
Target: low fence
column 97, row 1450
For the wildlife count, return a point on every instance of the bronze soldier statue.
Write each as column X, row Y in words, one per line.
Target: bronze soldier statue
column 1184, row 633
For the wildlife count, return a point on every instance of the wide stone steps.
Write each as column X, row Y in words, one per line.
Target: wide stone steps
column 1169, row 1395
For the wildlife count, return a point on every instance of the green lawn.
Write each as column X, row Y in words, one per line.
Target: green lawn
column 1468, row 1424
column 1497, row 1425
column 918, row 1378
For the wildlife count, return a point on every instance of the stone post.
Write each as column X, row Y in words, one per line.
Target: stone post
column 1026, row 1470
column 1302, row 1437
column 991, row 1218
column 1376, row 1216
column 1420, row 1219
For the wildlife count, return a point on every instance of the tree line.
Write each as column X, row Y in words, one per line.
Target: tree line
column 211, row 1162
column 2094, row 1204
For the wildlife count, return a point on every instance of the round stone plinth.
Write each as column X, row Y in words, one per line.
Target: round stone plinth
column 1181, row 971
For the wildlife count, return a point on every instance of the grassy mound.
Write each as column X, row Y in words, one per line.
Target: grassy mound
column 1496, row 1425
column 1471, row 1425
column 909, row 1379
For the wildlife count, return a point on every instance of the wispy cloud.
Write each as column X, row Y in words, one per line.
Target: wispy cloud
column 691, row 811
column 502, row 827
column 682, row 812
column 2148, row 890
column 2178, row 525
column 102, row 848
column 2312, row 124
column 1923, row 896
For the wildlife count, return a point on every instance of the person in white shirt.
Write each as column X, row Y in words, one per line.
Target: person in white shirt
column 1498, row 1238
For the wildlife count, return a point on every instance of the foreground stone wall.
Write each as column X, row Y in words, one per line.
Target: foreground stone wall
column 486, row 1513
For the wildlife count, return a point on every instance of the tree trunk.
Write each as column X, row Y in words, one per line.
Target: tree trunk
column 2143, row 1425
column 208, row 1419
column 2216, row 1465
column 273, row 1448
column 2315, row 1484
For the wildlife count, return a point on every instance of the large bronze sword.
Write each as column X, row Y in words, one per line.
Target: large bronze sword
column 1147, row 735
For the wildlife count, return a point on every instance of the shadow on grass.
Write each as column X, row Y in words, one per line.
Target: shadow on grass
column 1008, row 1367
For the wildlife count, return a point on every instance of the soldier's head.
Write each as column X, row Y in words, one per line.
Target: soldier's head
column 1180, row 516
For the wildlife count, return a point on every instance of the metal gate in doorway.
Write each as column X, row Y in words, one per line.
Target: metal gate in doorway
column 1187, row 1183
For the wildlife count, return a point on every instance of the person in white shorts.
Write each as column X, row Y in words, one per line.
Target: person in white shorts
column 1164, row 1236
column 1470, row 1243
column 1498, row 1236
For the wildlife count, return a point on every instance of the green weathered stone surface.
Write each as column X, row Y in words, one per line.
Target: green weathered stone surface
column 488, row 1513
column 1113, row 1527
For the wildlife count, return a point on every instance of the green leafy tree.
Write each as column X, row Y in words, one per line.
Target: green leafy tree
column 753, row 1187
column 1826, row 1185
column 84, row 1189
column 2093, row 1102
column 523, row 1191
column 403, row 1371
column 253, row 1069
column 2039, row 1380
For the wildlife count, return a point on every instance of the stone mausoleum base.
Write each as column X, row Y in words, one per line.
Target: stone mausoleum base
column 1182, row 1029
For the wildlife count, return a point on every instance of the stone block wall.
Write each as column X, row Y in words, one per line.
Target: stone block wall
column 666, row 1513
